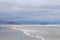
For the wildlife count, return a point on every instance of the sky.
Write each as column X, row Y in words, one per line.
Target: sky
column 13, row 10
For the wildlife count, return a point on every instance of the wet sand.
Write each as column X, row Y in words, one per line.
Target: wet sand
column 30, row 32
column 8, row 34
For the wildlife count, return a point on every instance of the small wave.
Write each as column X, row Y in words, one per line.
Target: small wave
column 27, row 32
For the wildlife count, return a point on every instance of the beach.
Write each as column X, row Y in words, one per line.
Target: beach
column 8, row 34
column 29, row 32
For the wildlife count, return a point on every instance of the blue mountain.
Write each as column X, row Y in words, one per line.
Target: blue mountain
column 29, row 22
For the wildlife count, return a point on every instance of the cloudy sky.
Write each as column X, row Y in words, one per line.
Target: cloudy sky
column 30, row 10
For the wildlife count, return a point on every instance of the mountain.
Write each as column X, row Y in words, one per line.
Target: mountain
column 29, row 22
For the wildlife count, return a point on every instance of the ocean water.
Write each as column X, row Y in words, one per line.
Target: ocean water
column 36, row 32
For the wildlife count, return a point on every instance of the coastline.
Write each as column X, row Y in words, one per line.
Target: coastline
column 44, row 32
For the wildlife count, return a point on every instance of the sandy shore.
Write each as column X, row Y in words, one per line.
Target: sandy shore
column 32, row 32
column 8, row 34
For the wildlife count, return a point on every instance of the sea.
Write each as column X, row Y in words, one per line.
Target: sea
column 29, row 32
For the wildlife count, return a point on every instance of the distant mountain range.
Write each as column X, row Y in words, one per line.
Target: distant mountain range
column 28, row 22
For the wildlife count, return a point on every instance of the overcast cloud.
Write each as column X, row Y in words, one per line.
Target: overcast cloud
column 30, row 9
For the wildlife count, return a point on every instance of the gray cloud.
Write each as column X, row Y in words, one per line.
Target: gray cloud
column 30, row 9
